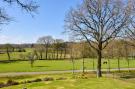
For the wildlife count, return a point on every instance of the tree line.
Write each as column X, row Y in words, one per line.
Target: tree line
column 48, row 48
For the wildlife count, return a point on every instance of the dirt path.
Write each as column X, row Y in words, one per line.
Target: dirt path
column 53, row 72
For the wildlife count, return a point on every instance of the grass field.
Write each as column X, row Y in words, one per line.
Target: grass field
column 70, row 83
column 50, row 65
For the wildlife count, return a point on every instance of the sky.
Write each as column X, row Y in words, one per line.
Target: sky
column 49, row 20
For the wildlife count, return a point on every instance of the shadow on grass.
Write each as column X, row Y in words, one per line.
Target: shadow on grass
column 42, row 66
column 128, row 75
column 10, row 61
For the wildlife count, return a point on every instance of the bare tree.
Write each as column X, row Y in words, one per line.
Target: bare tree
column 83, row 55
column 8, row 50
column 31, row 57
column 99, row 22
column 58, row 47
column 127, row 53
column 65, row 49
column 72, row 57
column 46, row 41
column 39, row 49
column 119, row 54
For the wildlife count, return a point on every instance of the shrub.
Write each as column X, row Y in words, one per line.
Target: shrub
column 48, row 79
column 61, row 78
column 37, row 80
column 2, row 84
column 11, row 82
column 28, row 81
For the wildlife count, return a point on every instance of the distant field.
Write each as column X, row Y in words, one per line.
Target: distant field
column 70, row 83
column 50, row 65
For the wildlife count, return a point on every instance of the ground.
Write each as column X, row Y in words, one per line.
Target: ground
column 107, row 82
column 72, row 83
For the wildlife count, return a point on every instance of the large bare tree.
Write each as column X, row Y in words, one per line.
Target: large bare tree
column 99, row 22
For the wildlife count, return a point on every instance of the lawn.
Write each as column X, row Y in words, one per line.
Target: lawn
column 51, row 65
column 70, row 83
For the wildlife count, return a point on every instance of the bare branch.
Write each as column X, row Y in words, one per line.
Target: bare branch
column 29, row 6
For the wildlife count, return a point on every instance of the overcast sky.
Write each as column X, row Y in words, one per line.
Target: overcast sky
column 48, row 21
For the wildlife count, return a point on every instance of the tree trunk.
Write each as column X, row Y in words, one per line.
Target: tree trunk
column 36, row 53
column 52, row 54
column 46, row 53
column 61, row 54
column 54, row 57
column 65, row 53
column 73, row 66
column 31, row 64
column 109, row 67
column 99, row 72
column 41, row 56
column 8, row 54
column 83, row 65
column 128, row 64
column 57, row 54
column 93, row 65
column 118, row 64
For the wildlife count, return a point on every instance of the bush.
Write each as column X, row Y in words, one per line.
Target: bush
column 21, row 50
column 28, row 81
column 11, row 82
column 48, row 79
column 61, row 78
column 37, row 80
column 2, row 85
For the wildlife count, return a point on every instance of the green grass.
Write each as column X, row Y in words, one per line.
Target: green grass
column 51, row 65
column 70, row 83
column 15, row 55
